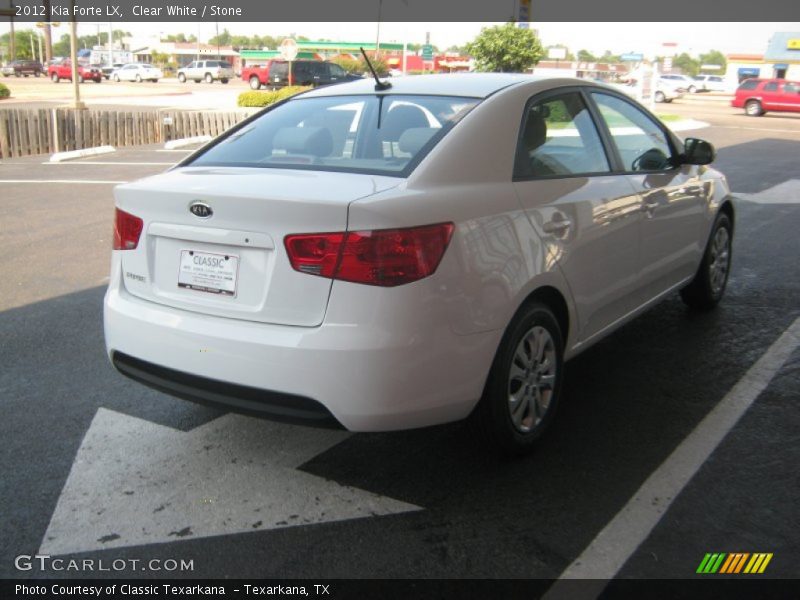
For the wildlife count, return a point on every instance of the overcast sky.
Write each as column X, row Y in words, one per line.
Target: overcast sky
column 596, row 37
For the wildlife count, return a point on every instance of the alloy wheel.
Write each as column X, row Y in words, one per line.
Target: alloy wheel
column 531, row 379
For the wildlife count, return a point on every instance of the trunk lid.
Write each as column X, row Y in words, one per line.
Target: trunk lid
column 233, row 263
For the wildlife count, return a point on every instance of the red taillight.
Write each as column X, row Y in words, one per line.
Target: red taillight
column 127, row 229
column 384, row 257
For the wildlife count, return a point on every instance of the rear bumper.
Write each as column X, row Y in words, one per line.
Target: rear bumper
column 369, row 377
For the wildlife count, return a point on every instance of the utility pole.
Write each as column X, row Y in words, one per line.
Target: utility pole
column 48, row 34
column 378, row 35
column 73, row 57
column 12, row 40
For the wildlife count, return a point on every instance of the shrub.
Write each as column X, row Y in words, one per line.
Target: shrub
column 261, row 99
column 4, row 91
column 358, row 66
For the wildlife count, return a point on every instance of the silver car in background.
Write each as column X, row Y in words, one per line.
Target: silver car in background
column 206, row 70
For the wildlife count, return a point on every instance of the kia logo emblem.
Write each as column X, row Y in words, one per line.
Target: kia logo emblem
column 201, row 209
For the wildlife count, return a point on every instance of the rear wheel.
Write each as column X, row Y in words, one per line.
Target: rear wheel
column 692, row 89
column 255, row 83
column 708, row 286
column 116, row 78
column 209, row 78
column 54, row 77
column 753, row 108
column 223, row 81
column 80, row 78
column 524, row 384
column 138, row 78
column 660, row 97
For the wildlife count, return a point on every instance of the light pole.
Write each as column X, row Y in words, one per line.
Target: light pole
column 73, row 57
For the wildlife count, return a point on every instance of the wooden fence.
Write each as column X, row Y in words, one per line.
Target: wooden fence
column 39, row 131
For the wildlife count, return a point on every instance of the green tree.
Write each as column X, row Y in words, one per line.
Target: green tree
column 608, row 57
column 714, row 57
column 22, row 43
column 586, row 56
column 688, row 65
column 159, row 59
column 505, row 48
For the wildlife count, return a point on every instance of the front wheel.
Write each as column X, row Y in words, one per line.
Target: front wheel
column 209, row 78
column 708, row 286
column 255, row 83
column 138, row 79
column 692, row 89
column 54, row 78
column 223, row 81
column 753, row 108
column 524, row 384
column 181, row 77
column 660, row 97
column 80, row 78
column 116, row 78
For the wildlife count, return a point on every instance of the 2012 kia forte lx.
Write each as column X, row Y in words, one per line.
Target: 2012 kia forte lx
column 394, row 258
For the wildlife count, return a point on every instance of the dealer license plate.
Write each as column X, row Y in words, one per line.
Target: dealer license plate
column 207, row 272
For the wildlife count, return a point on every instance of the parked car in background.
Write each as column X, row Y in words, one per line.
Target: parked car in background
column 63, row 70
column 681, row 83
column 206, row 70
column 137, row 72
column 759, row 96
column 109, row 69
column 711, row 83
column 22, row 68
column 404, row 257
column 275, row 74
column 668, row 90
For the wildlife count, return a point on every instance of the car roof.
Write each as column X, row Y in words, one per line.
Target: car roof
column 473, row 85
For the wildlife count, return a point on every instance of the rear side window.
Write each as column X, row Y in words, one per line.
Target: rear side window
column 750, row 84
column 791, row 88
column 559, row 137
column 384, row 135
column 642, row 144
column 772, row 86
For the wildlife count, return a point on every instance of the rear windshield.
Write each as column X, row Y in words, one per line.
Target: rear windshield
column 385, row 135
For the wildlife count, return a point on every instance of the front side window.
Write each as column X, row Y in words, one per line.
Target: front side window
column 641, row 143
column 336, row 70
column 559, row 137
column 791, row 88
column 384, row 135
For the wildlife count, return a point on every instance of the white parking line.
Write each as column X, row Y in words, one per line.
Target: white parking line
column 102, row 162
column 62, row 181
column 607, row 553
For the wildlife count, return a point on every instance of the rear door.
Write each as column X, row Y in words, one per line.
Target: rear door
column 790, row 96
column 586, row 215
column 771, row 96
column 673, row 196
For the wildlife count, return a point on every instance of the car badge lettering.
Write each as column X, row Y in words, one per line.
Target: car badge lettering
column 201, row 210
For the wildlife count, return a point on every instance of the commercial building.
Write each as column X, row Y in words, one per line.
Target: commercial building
column 783, row 55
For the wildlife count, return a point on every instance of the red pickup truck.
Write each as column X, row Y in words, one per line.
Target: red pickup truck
column 63, row 70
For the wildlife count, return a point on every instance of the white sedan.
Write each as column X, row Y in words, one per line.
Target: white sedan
column 390, row 257
column 137, row 72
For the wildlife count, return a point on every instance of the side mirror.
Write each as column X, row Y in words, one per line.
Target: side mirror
column 698, row 152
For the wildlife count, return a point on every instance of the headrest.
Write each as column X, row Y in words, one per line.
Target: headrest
column 316, row 141
column 415, row 138
column 535, row 131
column 400, row 118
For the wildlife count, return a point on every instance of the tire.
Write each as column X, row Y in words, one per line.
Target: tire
column 54, row 78
column 708, row 286
column 223, row 81
column 209, row 78
column 255, row 83
column 116, row 78
column 659, row 97
column 182, row 77
column 522, row 392
column 38, row 73
column 753, row 108
column 692, row 89
column 138, row 78
column 80, row 78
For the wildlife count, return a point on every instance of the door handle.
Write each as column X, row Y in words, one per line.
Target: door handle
column 556, row 227
column 650, row 206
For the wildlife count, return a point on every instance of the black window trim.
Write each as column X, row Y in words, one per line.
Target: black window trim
column 560, row 91
column 619, row 166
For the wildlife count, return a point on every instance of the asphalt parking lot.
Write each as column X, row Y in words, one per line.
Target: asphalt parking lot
column 96, row 466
